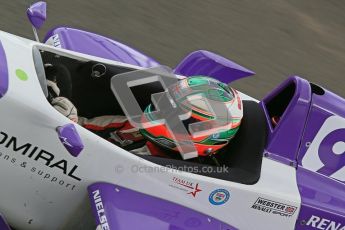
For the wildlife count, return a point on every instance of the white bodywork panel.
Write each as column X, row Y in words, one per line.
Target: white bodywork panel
column 30, row 201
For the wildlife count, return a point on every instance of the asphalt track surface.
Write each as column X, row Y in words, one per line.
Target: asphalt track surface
column 274, row 38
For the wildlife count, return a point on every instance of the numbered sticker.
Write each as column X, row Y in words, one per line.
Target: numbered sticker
column 326, row 154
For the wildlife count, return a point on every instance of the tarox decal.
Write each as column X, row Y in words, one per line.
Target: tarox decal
column 189, row 187
column 326, row 153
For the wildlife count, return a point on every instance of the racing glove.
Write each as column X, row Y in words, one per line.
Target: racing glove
column 53, row 90
column 61, row 104
column 65, row 107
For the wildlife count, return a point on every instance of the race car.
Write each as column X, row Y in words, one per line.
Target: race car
column 284, row 168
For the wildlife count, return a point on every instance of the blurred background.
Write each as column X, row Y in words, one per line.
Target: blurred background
column 274, row 38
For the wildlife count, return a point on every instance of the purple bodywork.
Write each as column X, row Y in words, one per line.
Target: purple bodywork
column 3, row 224
column 323, row 198
column 37, row 14
column 322, row 108
column 206, row 63
column 197, row 63
column 100, row 46
column 284, row 139
column 3, row 72
column 115, row 207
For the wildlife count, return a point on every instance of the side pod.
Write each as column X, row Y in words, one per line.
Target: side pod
column 119, row 208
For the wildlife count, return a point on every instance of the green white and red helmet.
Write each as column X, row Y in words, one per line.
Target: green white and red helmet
column 216, row 92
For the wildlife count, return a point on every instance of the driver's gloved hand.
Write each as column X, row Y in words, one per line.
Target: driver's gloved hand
column 66, row 108
column 61, row 104
column 53, row 90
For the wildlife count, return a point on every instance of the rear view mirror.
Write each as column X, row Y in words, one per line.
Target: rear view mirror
column 37, row 14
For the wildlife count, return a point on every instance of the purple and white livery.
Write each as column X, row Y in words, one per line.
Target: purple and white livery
column 285, row 169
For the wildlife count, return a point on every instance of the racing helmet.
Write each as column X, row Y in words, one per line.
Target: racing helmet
column 216, row 92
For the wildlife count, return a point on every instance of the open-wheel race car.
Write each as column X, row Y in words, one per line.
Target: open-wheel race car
column 89, row 139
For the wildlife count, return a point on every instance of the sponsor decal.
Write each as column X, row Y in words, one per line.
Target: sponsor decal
column 326, row 153
column 54, row 41
column 21, row 75
column 324, row 224
column 274, row 207
column 102, row 218
column 189, row 187
column 65, row 142
column 40, row 156
column 219, row 196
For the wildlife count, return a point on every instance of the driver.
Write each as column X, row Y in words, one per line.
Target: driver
column 114, row 128
column 117, row 129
